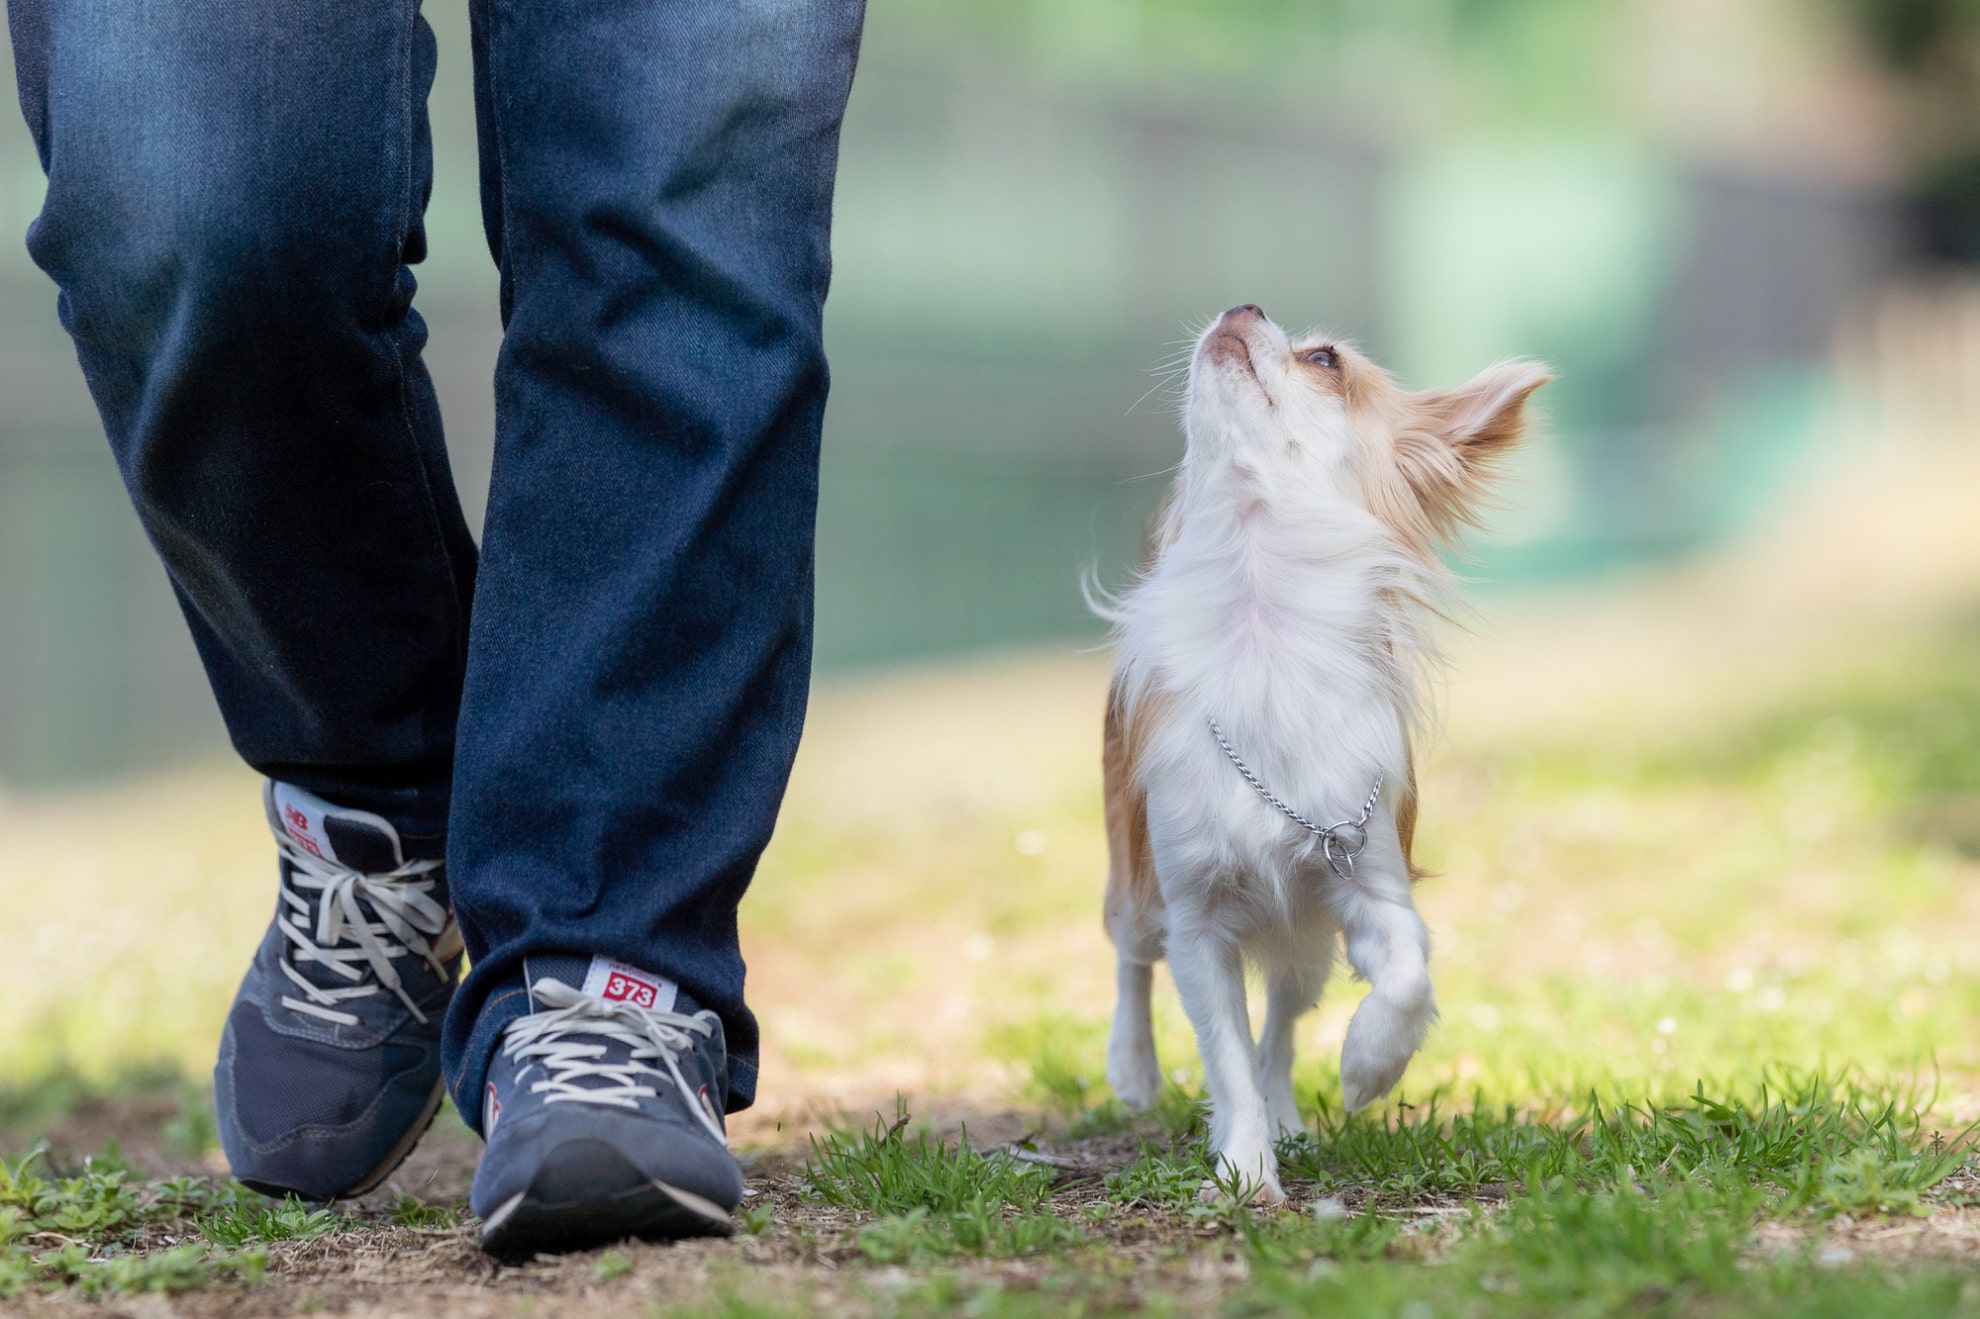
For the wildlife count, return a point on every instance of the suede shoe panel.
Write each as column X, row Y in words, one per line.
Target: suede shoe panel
column 302, row 1084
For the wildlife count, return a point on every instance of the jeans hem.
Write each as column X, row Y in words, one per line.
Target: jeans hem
column 466, row 1087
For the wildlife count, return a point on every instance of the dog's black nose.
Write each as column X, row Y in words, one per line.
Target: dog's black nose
column 1251, row 307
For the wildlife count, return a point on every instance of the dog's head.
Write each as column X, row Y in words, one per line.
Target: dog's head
column 1420, row 461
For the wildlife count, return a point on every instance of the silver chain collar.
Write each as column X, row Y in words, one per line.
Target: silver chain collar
column 1340, row 842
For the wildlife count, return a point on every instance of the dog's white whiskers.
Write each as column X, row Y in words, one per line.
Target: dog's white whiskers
column 1157, row 475
column 1152, row 389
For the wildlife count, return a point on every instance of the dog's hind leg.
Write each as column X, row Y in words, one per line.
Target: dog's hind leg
column 1388, row 944
column 1132, row 1067
column 1290, row 993
column 1135, row 919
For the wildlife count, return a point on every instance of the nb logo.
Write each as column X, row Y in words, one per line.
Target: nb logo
column 299, row 830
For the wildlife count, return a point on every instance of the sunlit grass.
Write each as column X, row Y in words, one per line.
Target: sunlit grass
column 929, row 1199
column 1808, row 1141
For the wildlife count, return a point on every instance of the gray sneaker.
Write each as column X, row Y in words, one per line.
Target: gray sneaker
column 329, row 1067
column 603, row 1115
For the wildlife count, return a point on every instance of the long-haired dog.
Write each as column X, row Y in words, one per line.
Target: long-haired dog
column 1260, row 794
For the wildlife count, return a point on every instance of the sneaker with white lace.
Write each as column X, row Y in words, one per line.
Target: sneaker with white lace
column 603, row 1115
column 329, row 1066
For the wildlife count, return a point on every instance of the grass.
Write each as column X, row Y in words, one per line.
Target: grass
column 97, row 1230
column 1617, row 1208
column 1666, row 1248
column 1168, row 1179
column 411, row 1211
column 931, row 1198
column 1813, row 1140
column 241, row 1224
column 882, row 1171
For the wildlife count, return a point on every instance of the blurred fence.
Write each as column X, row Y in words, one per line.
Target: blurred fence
column 1013, row 255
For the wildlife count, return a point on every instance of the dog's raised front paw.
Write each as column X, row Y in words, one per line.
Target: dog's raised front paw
column 1359, row 1091
column 1380, row 1043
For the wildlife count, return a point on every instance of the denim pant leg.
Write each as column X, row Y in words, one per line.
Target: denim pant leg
column 657, row 181
column 234, row 195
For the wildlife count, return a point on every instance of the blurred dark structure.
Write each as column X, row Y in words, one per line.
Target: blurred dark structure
column 1932, row 51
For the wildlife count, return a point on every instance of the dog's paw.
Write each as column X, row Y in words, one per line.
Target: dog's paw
column 1246, row 1169
column 1359, row 1090
column 1269, row 1192
column 1380, row 1043
column 1136, row 1077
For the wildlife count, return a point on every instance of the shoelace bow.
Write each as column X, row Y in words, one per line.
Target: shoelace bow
column 349, row 943
column 651, row 1035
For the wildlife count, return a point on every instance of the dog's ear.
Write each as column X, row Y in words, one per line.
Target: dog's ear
column 1445, row 442
column 1486, row 415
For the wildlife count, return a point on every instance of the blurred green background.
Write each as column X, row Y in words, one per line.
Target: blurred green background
column 1678, row 202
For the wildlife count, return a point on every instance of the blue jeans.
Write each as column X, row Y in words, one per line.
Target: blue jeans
column 601, row 712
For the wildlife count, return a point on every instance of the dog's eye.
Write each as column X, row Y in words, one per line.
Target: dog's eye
column 1326, row 357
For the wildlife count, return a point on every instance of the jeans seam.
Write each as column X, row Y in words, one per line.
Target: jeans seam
column 401, row 226
column 505, row 268
column 402, row 221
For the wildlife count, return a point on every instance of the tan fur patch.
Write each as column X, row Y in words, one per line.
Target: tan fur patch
column 1406, row 821
column 1134, row 899
column 1132, row 891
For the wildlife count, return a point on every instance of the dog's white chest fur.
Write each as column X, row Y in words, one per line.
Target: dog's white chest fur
column 1285, row 631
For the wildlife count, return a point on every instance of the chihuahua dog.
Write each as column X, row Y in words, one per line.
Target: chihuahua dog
column 1260, row 795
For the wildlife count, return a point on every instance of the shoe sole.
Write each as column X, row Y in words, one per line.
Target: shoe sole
column 529, row 1222
column 376, row 1177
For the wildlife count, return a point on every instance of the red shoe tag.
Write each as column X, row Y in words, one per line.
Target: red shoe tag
column 615, row 982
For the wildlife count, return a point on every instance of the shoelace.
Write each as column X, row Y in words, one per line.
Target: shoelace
column 546, row 1038
column 348, row 943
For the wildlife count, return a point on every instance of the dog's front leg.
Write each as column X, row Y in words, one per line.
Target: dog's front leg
column 1210, row 979
column 1388, row 944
